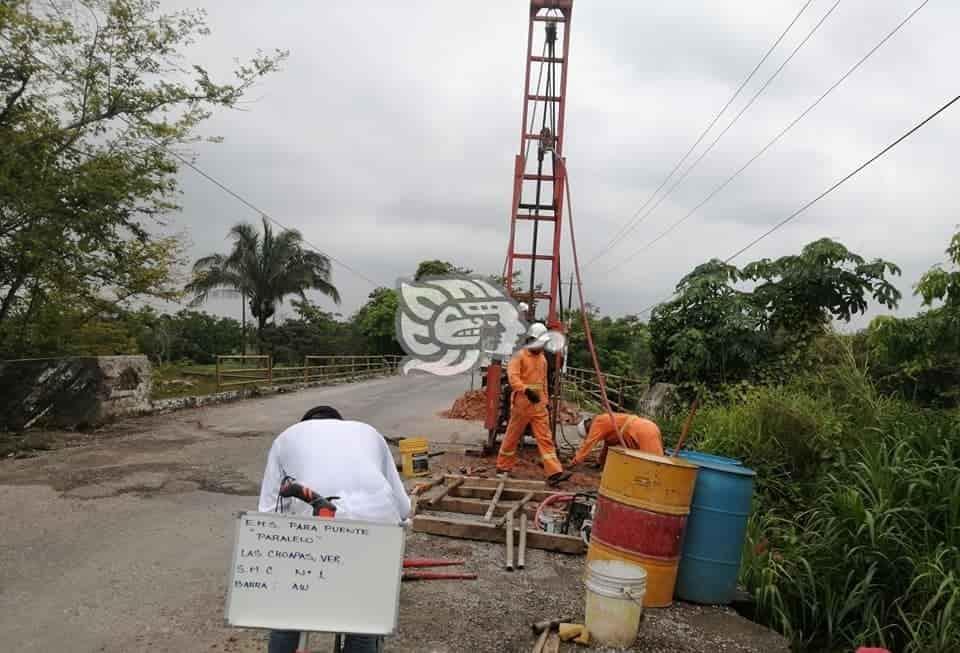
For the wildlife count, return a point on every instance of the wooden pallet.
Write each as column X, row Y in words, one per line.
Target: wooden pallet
column 490, row 498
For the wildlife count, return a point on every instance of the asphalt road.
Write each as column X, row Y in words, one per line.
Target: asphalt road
column 121, row 542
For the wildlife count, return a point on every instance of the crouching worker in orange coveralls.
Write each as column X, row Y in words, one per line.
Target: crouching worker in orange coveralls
column 638, row 433
column 527, row 374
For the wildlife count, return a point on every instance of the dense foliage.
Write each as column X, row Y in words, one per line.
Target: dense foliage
column 716, row 332
column 623, row 343
column 93, row 93
column 855, row 533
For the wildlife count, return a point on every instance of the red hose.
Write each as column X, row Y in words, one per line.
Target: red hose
column 559, row 496
column 583, row 310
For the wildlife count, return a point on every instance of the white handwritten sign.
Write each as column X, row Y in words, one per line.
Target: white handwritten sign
column 312, row 574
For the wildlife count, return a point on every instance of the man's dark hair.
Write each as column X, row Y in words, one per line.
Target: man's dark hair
column 322, row 412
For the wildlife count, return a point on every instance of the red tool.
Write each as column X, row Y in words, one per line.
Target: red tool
column 429, row 562
column 434, row 575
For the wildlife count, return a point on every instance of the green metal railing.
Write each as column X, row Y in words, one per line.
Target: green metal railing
column 240, row 371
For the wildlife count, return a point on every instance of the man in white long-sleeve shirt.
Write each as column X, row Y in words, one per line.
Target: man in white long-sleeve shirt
column 334, row 457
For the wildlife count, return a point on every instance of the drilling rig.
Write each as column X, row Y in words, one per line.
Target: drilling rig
column 532, row 267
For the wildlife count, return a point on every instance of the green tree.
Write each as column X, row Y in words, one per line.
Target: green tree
column 437, row 268
column 715, row 333
column 94, row 94
column 623, row 343
column 919, row 357
column 313, row 332
column 825, row 281
column 376, row 321
column 711, row 332
column 942, row 285
column 263, row 269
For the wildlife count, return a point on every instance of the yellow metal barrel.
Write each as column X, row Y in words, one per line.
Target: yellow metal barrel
column 643, row 480
column 642, row 515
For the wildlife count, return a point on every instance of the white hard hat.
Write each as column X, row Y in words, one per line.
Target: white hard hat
column 523, row 307
column 536, row 330
column 582, row 424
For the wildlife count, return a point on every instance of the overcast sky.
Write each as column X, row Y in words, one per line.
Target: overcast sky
column 390, row 133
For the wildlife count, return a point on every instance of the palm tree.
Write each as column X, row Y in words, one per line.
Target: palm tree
column 263, row 269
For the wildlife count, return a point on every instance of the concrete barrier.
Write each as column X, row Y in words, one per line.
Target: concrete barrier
column 72, row 392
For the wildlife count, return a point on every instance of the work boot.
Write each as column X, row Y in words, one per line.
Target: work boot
column 559, row 477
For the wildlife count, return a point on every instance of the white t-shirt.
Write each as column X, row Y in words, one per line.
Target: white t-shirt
column 340, row 458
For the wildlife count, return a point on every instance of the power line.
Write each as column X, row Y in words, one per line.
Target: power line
column 260, row 211
column 775, row 139
column 220, row 185
column 627, row 226
column 829, row 190
column 743, row 110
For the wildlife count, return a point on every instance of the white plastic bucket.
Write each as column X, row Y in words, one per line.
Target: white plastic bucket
column 615, row 590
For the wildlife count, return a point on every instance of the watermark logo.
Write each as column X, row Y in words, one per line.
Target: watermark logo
column 450, row 325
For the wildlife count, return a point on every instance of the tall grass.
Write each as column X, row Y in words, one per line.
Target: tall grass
column 855, row 536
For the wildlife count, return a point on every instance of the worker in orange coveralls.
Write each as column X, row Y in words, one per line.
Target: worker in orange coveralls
column 527, row 374
column 638, row 433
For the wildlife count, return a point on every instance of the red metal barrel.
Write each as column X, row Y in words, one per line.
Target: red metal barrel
column 641, row 516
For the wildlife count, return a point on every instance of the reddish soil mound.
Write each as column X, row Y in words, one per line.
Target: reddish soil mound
column 470, row 405
column 473, row 405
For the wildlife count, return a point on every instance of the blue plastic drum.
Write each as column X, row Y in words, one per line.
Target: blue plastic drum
column 699, row 456
column 716, row 527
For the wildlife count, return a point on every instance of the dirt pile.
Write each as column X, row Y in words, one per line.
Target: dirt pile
column 472, row 405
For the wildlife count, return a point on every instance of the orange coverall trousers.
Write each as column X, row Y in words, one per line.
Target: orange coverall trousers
column 528, row 370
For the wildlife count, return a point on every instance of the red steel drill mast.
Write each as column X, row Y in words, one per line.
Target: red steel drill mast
column 538, row 189
column 538, row 181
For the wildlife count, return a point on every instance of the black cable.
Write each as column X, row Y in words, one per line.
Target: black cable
column 829, row 190
column 260, row 211
column 219, row 184
column 706, row 130
column 832, row 188
column 723, row 132
column 766, row 147
column 278, row 507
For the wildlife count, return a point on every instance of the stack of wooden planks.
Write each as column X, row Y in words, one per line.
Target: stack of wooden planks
column 514, row 501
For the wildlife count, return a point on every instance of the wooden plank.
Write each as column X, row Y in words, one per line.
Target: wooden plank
column 522, row 545
column 509, row 530
column 541, row 640
column 517, row 506
column 493, row 502
column 473, row 530
column 552, row 644
column 423, row 487
column 443, row 492
column 471, row 492
column 477, row 506
column 510, row 483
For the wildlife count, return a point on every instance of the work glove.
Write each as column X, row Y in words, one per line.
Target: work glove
column 532, row 395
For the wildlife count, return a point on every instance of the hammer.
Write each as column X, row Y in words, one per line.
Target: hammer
column 547, row 624
column 543, row 629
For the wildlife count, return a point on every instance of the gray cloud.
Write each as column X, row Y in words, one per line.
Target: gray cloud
column 390, row 135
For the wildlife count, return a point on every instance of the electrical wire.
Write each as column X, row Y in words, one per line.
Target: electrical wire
column 628, row 226
column 826, row 192
column 220, row 185
column 716, row 140
column 770, row 144
column 261, row 212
